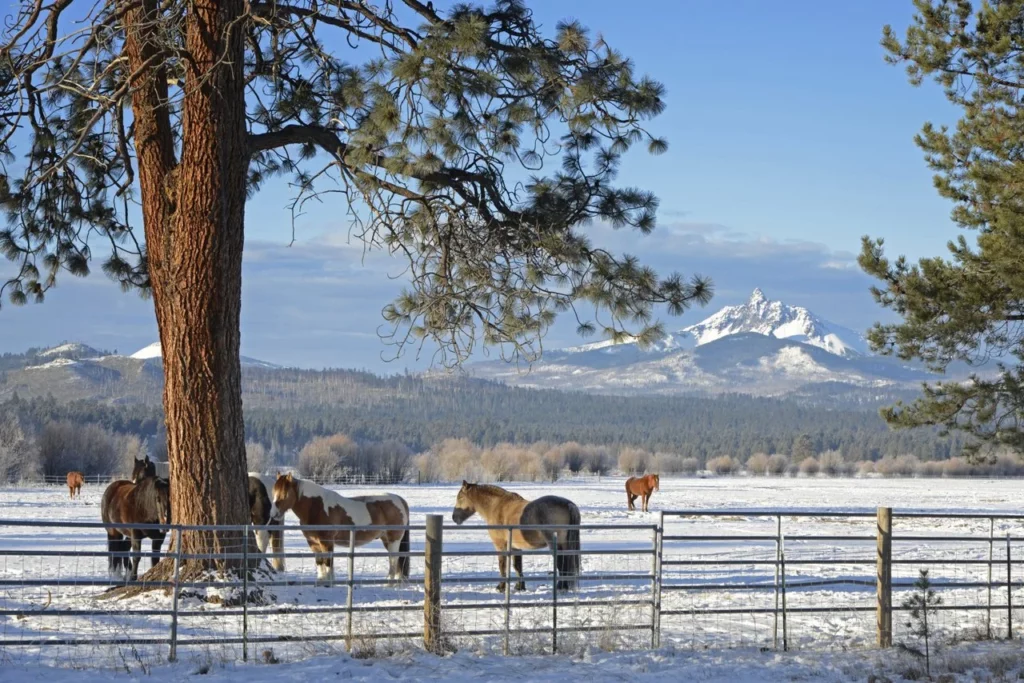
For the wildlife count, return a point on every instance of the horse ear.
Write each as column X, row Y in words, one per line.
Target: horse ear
column 147, row 459
column 465, row 483
column 289, row 477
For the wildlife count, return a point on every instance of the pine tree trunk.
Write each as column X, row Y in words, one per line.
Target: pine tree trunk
column 193, row 210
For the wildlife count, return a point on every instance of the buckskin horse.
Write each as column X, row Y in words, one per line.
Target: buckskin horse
column 315, row 505
column 641, row 487
column 499, row 507
column 125, row 502
column 75, row 481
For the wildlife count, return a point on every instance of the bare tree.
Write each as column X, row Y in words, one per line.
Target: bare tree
column 18, row 456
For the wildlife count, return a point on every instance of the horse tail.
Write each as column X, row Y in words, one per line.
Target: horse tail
column 403, row 558
column 570, row 564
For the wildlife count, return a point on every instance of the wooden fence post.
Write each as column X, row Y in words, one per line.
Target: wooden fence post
column 883, row 612
column 432, row 584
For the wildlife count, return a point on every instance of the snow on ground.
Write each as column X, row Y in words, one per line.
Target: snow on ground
column 842, row 571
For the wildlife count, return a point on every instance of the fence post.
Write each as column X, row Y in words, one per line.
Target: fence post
column 508, row 592
column 778, row 559
column 883, row 610
column 782, row 573
column 659, row 532
column 991, row 538
column 554, row 593
column 350, row 583
column 173, row 655
column 1009, row 592
column 432, row 584
column 245, row 594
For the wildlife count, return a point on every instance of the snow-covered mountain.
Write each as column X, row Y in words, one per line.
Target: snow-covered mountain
column 759, row 315
column 760, row 347
column 154, row 351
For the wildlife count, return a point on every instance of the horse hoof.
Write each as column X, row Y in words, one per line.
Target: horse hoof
column 501, row 588
column 521, row 586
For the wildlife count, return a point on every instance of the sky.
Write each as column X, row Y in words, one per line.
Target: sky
column 789, row 139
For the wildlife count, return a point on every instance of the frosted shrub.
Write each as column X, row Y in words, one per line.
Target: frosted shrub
column 777, row 464
column 723, row 464
column 757, row 464
column 809, row 466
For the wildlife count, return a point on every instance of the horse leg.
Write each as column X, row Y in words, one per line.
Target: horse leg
column 156, row 545
column 647, row 497
column 115, row 544
column 277, row 544
column 136, row 554
column 502, row 570
column 517, row 563
column 629, row 501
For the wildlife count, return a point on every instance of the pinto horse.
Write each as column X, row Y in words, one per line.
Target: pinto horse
column 263, row 513
column 315, row 505
column 504, row 508
column 124, row 502
column 75, row 481
column 150, row 468
column 641, row 487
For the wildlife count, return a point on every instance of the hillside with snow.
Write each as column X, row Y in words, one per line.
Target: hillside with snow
column 761, row 347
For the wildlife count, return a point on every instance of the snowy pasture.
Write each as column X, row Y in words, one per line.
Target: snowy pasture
column 724, row 599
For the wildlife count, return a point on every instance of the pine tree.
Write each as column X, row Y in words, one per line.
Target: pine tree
column 921, row 604
column 179, row 111
column 969, row 306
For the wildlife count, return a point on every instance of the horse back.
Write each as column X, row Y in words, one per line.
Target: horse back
column 112, row 503
column 547, row 510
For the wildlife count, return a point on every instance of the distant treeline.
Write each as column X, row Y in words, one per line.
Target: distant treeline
column 420, row 413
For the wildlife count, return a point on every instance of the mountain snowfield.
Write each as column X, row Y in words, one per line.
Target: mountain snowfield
column 760, row 347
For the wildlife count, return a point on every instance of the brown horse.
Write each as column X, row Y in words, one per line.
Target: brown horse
column 315, row 505
column 641, row 487
column 75, row 481
column 499, row 507
column 148, row 502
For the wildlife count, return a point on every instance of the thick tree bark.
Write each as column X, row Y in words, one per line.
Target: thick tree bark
column 193, row 210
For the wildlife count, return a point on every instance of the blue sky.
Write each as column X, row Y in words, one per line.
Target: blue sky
column 789, row 135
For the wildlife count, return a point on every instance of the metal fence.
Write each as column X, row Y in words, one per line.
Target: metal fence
column 775, row 579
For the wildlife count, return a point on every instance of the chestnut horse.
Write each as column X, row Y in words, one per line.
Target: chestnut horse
column 643, row 487
column 75, row 481
column 499, row 507
column 264, row 514
column 315, row 505
column 148, row 502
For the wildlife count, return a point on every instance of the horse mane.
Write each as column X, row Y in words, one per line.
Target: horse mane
column 496, row 491
column 148, row 491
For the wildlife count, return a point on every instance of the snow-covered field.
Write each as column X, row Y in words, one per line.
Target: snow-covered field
column 843, row 572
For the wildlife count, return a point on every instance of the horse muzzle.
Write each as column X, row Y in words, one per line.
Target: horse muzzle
column 460, row 515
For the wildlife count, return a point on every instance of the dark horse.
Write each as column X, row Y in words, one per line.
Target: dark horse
column 263, row 514
column 124, row 502
column 149, row 468
column 499, row 507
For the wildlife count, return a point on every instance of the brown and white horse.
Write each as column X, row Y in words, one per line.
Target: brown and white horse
column 315, row 505
column 75, row 481
column 641, row 487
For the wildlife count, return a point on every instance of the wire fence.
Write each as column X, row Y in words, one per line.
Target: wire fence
column 773, row 579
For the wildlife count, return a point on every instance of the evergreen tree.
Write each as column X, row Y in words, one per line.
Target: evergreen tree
column 968, row 306
column 188, row 108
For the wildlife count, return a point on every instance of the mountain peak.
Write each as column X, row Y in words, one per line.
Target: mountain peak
column 757, row 296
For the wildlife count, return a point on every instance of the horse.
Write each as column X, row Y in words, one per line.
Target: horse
column 125, row 502
column 504, row 508
column 150, row 468
column 315, row 505
column 75, row 481
column 263, row 513
column 643, row 487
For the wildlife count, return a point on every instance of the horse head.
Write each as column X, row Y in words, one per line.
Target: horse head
column 464, row 505
column 656, row 480
column 142, row 469
column 286, row 494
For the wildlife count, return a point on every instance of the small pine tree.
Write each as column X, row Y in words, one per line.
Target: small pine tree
column 920, row 603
